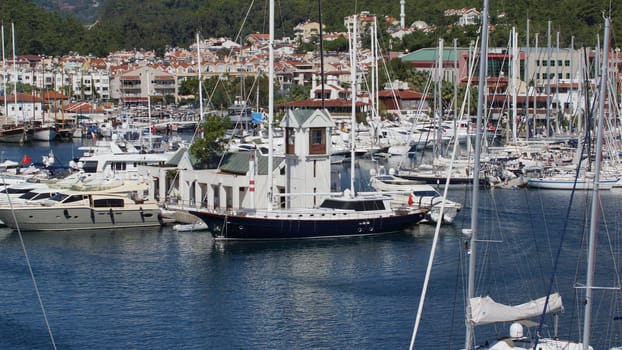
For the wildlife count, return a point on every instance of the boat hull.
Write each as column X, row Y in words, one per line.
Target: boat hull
column 440, row 180
column 559, row 184
column 16, row 135
column 43, row 134
column 303, row 226
column 79, row 218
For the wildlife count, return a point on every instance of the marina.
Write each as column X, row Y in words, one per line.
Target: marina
column 159, row 288
column 327, row 262
column 156, row 288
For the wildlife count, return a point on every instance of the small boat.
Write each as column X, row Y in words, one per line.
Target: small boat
column 569, row 182
column 13, row 134
column 43, row 132
column 196, row 226
column 413, row 193
column 392, row 183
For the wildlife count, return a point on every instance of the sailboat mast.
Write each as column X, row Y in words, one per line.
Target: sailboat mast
column 548, row 80
column 270, row 104
column 6, row 106
column 200, row 78
column 595, row 211
column 483, row 64
column 353, row 49
column 438, row 103
column 527, row 83
column 14, row 68
column 149, row 109
column 515, row 63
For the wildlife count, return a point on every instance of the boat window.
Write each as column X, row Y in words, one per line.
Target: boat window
column 16, row 190
column 43, row 195
column 59, row 197
column 28, row 195
column 108, row 202
column 426, row 193
column 357, row 205
column 119, row 166
column 73, row 198
column 90, row 166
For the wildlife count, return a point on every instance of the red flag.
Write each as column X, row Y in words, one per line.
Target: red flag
column 26, row 160
column 410, row 200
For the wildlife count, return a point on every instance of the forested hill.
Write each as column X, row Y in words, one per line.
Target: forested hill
column 155, row 24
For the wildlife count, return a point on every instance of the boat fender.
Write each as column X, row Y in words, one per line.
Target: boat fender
column 92, row 216
column 66, row 213
column 142, row 215
column 111, row 215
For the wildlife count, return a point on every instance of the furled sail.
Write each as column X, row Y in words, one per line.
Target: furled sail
column 485, row 310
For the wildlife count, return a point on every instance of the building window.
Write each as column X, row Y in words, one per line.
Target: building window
column 559, row 63
column 317, row 141
column 290, row 147
column 567, row 75
column 567, row 63
column 545, row 63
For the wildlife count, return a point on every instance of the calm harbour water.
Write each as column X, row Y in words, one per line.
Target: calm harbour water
column 158, row 289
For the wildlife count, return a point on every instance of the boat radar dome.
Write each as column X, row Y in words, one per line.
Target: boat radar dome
column 516, row 330
column 392, row 171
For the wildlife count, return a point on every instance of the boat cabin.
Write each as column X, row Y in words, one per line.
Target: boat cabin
column 371, row 204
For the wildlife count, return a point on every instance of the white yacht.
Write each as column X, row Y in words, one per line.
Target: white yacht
column 69, row 210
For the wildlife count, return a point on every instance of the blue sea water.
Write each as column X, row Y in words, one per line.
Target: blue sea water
column 158, row 289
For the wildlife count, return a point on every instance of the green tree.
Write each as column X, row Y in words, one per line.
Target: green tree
column 209, row 147
column 189, row 87
column 298, row 93
column 340, row 44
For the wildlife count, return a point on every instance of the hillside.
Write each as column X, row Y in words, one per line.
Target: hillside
column 86, row 11
column 154, row 24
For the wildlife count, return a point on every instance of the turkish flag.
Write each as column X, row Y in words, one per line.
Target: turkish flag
column 26, row 160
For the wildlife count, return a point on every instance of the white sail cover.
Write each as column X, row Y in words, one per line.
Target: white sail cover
column 485, row 310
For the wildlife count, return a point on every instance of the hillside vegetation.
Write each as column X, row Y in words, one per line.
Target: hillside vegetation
column 155, row 24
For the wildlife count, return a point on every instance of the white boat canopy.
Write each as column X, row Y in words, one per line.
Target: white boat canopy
column 485, row 310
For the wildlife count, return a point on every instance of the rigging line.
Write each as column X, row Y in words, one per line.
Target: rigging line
column 610, row 243
column 436, row 233
column 565, row 225
column 237, row 36
column 32, row 275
